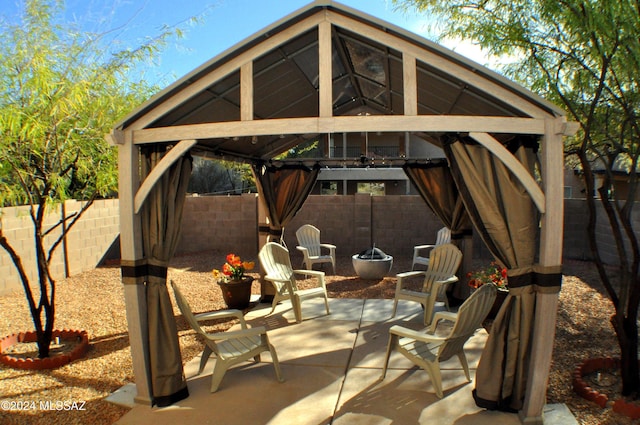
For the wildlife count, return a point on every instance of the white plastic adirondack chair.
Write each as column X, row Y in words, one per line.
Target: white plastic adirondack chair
column 309, row 243
column 231, row 347
column 427, row 351
column 444, row 261
column 420, row 251
column 276, row 263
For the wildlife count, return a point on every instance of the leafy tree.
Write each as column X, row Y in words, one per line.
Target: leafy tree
column 61, row 93
column 219, row 177
column 584, row 55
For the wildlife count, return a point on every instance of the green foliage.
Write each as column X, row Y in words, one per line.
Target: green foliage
column 585, row 56
column 61, row 91
column 581, row 54
column 220, row 177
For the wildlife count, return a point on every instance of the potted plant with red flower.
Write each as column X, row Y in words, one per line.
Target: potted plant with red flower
column 495, row 274
column 235, row 286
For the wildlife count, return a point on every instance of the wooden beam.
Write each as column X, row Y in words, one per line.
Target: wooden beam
column 410, row 84
column 426, row 123
column 156, row 173
column 526, row 179
column 246, row 92
column 552, row 168
column 115, row 138
column 325, row 74
column 130, row 253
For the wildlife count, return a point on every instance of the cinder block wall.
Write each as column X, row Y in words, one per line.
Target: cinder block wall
column 395, row 223
column 352, row 223
column 86, row 243
column 220, row 223
column 576, row 244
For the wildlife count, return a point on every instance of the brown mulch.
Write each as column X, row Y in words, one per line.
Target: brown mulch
column 94, row 301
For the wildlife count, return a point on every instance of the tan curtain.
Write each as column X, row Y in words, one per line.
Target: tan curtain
column 161, row 222
column 284, row 190
column 435, row 184
column 507, row 220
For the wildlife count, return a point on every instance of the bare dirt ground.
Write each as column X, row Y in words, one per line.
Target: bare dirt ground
column 94, row 301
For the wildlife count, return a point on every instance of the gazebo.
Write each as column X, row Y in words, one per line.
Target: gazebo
column 329, row 70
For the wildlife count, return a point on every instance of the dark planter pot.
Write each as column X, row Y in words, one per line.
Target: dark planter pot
column 237, row 295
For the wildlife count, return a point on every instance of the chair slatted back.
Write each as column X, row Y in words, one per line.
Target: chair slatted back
column 443, row 236
column 276, row 262
column 309, row 237
column 185, row 309
column 444, row 261
column 470, row 316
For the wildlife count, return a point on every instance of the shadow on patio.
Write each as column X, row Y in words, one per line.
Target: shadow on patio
column 331, row 365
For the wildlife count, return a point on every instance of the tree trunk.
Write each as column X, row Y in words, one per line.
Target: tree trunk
column 44, row 343
column 627, row 333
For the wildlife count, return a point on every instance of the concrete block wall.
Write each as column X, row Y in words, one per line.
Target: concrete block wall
column 220, row 223
column 607, row 246
column 354, row 222
column 576, row 244
column 401, row 222
column 395, row 223
column 86, row 243
column 335, row 216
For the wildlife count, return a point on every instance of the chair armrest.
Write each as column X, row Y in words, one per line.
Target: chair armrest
column 410, row 333
column 401, row 276
column 420, row 247
column 447, row 281
column 243, row 333
column 275, row 279
column 302, row 248
column 221, row 314
column 328, row 245
column 438, row 285
column 404, row 275
column 442, row 315
column 316, row 273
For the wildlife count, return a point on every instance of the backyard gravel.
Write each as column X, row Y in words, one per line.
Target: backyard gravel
column 94, row 301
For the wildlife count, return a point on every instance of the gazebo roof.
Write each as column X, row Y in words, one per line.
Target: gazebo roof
column 278, row 70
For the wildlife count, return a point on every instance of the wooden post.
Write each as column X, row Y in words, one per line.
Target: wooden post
column 324, row 72
column 409, row 83
column 131, row 253
column 246, row 92
column 550, row 255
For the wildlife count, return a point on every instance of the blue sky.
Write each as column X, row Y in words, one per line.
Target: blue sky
column 223, row 24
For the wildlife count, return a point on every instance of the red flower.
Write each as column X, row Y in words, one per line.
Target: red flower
column 234, row 268
column 234, row 260
column 227, row 269
column 493, row 273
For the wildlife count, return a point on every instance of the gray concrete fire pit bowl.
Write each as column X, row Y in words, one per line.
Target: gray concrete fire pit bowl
column 372, row 264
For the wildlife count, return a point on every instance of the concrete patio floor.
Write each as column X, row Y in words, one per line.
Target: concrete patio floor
column 331, row 365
